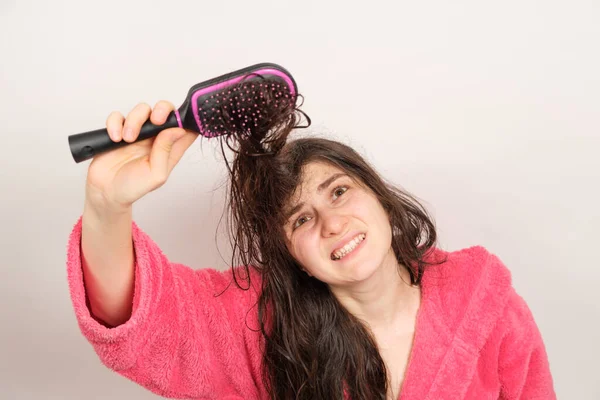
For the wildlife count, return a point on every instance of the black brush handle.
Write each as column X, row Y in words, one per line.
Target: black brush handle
column 86, row 145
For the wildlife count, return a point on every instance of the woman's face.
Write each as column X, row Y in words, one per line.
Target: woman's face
column 340, row 234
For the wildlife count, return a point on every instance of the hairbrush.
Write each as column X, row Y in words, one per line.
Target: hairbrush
column 211, row 108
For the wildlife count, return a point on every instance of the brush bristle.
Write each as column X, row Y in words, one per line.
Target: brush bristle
column 247, row 108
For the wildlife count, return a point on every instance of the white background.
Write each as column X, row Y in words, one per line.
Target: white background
column 487, row 111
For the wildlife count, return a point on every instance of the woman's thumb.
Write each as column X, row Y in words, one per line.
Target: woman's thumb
column 177, row 134
column 161, row 151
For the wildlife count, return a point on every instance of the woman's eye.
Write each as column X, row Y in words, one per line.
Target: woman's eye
column 298, row 221
column 340, row 189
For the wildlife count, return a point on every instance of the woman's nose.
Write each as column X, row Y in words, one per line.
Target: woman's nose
column 333, row 224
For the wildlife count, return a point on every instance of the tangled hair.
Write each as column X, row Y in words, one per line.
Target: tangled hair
column 313, row 347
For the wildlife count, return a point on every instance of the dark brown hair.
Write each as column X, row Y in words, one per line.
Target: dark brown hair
column 313, row 347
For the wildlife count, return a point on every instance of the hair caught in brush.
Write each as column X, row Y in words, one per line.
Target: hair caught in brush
column 259, row 115
column 258, row 118
column 313, row 347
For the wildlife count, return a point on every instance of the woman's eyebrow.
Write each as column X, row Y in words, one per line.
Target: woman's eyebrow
column 320, row 188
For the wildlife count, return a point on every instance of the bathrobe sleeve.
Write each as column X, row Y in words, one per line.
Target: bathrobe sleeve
column 187, row 336
column 524, row 369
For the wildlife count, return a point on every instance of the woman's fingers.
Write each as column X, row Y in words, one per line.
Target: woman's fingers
column 134, row 121
column 128, row 129
column 114, row 125
column 161, row 112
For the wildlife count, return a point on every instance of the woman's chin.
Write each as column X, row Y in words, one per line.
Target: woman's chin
column 358, row 272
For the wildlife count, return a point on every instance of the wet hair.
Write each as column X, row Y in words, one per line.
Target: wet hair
column 313, row 347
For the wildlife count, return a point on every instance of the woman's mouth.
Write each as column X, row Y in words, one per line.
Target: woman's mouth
column 348, row 248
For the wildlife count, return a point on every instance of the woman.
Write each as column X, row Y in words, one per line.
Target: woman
column 340, row 292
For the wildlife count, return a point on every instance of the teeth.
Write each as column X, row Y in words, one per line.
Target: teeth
column 348, row 247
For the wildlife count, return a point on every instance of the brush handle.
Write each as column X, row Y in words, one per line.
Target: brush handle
column 86, row 145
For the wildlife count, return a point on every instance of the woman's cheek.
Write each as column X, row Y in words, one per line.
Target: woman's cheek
column 307, row 246
column 300, row 246
column 362, row 207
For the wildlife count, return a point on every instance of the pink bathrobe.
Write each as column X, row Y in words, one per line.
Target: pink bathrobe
column 475, row 336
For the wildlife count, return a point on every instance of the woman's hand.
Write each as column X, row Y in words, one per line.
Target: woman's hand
column 118, row 178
